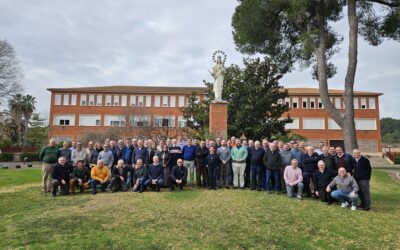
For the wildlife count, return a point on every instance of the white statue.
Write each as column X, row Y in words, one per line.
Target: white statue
column 218, row 74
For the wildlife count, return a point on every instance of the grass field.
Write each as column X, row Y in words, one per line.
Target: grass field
column 192, row 219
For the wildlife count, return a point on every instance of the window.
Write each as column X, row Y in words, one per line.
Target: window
column 181, row 122
column 83, row 100
column 313, row 123
column 164, row 121
column 338, row 103
column 114, row 120
column 64, row 120
column 356, row 106
column 363, row 103
column 132, row 101
column 320, row 106
column 66, row 99
column 57, row 99
column 280, row 101
column 304, row 101
column 181, row 101
column 140, row 121
column 172, row 101
column 157, row 101
column 293, row 125
column 108, row 100
column 116, row 100
column 295, row 102
column 63, row 138
column 140, row 101
column 73, row 100
column 165, row 101
column 287, row 102
column 123, row 100
column 197, row 100
column 99, row 100
column 312, row 103
column 333, row 125
column 148, row 100
column 365, row 124
column 371, row 103
column 91, row 100
column 89, row 120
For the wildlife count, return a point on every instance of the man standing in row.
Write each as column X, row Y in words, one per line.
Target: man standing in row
column 189, row 155
column 239, row 156
column 224, row 155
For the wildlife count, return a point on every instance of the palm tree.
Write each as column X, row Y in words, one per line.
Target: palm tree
column 15, row 111
column 28, row 106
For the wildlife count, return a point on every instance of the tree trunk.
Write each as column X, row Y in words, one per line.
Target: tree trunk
column 26, row 129
column 349, row 128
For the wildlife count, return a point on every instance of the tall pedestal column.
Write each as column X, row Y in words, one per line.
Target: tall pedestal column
column 219, row 119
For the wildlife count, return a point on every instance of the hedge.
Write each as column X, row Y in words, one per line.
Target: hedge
column 30, row 156
column 6, row 157
column 397, row 161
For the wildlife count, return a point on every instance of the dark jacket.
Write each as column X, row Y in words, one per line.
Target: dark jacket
column 152, row 154
column 201, row 154
column 141, row 153
column 82, row 174
column 175, row 152
column 95, row 155
column 257, row 156
column 60, row 173
column 66, row 153
column 329, row 161
column 127, row 155
column 310, row 163
column 116, row 173
column 322, row 180
column 272, row 159
column 348, row 161
column 212, row 160
column 139, row 173
column 156, row 172
column 178, row 173
column 362, row 169
column 189, row 153
column 164, row 158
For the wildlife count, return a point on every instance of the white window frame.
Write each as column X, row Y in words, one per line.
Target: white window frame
column 293, row 125
column 356, row 104
column 165, row 101
column 123, row 100
column 157, row 101
column 172, row 101
column 66, row 99
column 116, row 102
column 145, row 119
column 332, row 125
column 371, row 103
column 57, row 99
column 73, row 100
column 295, row 102
column 181, row 101
column 114, row 120
column 361, row 124
column 181, row 122
column 140, row 101
column 99, row 100
column 58, row 119
column 287, row 101
column 363, row 103
column 338, row 103
column 132, row 100
column 320, row 120
column 83, row 100
column 304, row 100
column 108, row 100
column 91, row 100
column 95, row 124
column 148, row 101
column 312, row 103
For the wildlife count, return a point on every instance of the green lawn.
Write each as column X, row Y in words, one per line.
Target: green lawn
column 223, row 219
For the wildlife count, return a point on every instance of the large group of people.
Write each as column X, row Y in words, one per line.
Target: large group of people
column 325, row 173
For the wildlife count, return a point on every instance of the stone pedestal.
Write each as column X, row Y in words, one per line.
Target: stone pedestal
column 219, row 118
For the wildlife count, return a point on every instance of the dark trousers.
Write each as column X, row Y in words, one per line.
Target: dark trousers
column 173, row 184
column 129, row 177
column 102, row 186
column 118, row 185
column 364, row 193
column 282, row 182
column 224, row 175
column 139, row 185
column 201, row 175
column 324, row 196
column 212, row 176
column 308, row 177
column 256, row 179
column 272, row 174
column 247, row 175
column 149, row 183
column 263, row 174
column 64, row 189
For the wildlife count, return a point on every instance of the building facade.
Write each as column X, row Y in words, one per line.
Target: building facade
column 155, row 111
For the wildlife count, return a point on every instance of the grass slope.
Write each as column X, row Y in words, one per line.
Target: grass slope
column 193, row 219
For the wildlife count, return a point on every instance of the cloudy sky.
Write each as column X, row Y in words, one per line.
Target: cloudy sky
column 154, row 42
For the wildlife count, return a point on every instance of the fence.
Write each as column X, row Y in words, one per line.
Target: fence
column 19, row 149
column 393, row 156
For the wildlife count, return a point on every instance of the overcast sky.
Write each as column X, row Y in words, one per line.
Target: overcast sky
column 94, row 43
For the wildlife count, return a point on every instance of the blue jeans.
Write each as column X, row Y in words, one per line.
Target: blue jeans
column 274, row 175
column 256, row 177
column 159, row 184
column 103, row 186
column 344, row 196
column 129, row 175
column 140, row 186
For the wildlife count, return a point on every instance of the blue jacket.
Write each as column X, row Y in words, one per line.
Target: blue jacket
column 127, row 154
column 140, row 154
column 156, row 172
column 189, row 153
column 310, row 163
column 298, row 155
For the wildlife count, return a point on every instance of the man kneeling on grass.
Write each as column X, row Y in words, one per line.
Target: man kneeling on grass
column 60, row 175
column 178, row 176
column 81, row 177
column 139, row 176
column 119, row 177
column 100, row 176
column 347, row 189
column 293, row 179
column 156, row 175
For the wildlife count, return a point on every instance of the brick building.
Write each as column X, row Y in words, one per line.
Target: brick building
column 154, row 111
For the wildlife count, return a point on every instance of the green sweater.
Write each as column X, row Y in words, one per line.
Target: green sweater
column 48, row 155
column 239, row 154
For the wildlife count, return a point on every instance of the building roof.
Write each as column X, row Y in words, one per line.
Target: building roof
column 126, row 89
column 315, row 91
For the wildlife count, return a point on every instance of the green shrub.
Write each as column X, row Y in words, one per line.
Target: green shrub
column 6, row 157
column 397, row 161
column 30, row 156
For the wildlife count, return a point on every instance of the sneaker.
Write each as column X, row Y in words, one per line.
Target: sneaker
column 299, row 197
column 353, row 208
column 344, row 204
column 94, row 193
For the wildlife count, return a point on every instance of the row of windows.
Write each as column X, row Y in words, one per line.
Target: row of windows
column 319, row 123
column 119, row 120
column 316, row 103
column 121, row 100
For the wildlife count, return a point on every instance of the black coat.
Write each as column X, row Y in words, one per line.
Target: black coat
column 257, row 156
column 60, row 173
column 115, row 172
column 175, row 152
column 310, row 163
column 272, row 159
column 212, row 160
column 178, row 173
column 322, row 180
column 329, row 161
column 139, row 173
column 201, row 154
column 362, row 169
column 156, row 172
